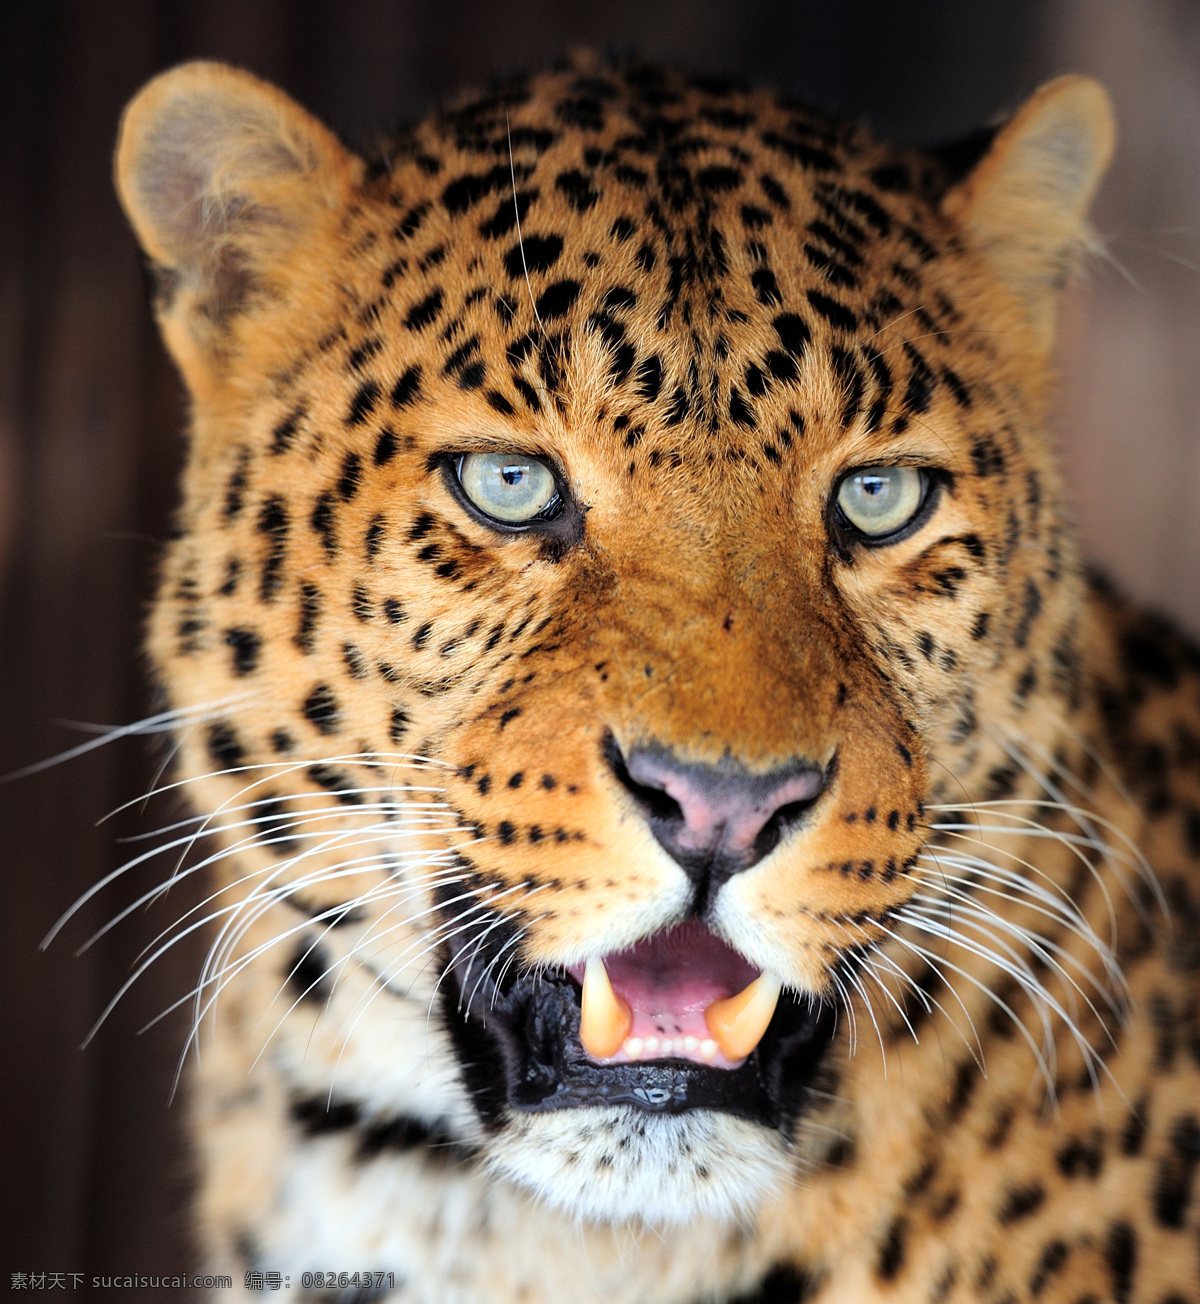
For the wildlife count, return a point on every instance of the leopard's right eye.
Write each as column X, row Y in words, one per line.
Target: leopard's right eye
column 512, row 488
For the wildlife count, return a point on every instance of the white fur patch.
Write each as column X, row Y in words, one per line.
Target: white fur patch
column 459, row 1236
column 617, row 1164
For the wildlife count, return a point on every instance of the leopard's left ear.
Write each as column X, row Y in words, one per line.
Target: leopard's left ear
column 1024, row 205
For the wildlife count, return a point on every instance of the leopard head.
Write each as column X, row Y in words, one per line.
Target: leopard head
column 609, row 516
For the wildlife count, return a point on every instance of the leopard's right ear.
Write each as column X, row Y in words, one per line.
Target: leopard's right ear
column 224, row 179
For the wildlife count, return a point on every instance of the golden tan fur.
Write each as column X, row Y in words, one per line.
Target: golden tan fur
column 731, row 303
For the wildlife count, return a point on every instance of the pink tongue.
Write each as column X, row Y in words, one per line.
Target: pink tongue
column 669, row 980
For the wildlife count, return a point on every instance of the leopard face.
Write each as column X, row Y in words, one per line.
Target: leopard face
column 610, row 517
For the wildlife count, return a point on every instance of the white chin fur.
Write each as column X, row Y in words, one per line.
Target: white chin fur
column 618, row 1164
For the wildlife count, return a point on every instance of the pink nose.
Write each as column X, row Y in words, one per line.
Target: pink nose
column 716, row 819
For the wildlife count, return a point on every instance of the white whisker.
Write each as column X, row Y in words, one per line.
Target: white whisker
column 163, row 722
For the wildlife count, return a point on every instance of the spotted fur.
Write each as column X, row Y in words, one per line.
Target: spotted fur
column 703, row 305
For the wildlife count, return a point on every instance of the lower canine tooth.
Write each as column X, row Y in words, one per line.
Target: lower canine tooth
column 606, row 1019
column 738, row 1024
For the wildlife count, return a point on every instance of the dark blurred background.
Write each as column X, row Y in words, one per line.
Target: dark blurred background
column 93, row 1174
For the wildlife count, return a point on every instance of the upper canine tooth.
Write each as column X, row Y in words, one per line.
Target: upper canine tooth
column 738, row 1024
column 606, row 1020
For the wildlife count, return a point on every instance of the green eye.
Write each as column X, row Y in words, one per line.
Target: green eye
column 511, row 487
column 879, row 500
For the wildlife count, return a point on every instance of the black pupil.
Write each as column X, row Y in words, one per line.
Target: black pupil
column 513, row 474
column 873, row 484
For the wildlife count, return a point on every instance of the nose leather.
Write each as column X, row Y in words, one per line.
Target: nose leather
column 716, row 819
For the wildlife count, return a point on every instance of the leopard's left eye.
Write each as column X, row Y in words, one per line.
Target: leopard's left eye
column 880, row 500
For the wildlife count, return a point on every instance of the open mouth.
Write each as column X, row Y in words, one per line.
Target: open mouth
column 680, row 1021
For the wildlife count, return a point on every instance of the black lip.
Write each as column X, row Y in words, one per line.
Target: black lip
column 521, row 1047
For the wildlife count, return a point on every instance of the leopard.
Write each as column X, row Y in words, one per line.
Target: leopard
column 679, row 819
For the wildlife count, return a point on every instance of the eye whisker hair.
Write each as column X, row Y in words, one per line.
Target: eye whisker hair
column 213, row 966
column 979, row 873
column 285, row 835
column 282, row 769
column 1112, row 856
column 1044, row 949
column 846, row 1005
column 512, row 169
column 217, row 972
column 204, row 827
column 1043, row 1002
column 1087, row 820
column 163, row 722
column 856, row 982
column 938, row 963
column 439, row 936
column 465, row 1006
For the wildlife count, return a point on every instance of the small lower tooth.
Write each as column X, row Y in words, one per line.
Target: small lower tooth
column 690, row 1044
column 634, row 1047
column 652, row 1045
column 708, row 1049
column 666, row 1046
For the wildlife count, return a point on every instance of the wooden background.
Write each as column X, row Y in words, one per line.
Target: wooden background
column 92, row 1173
